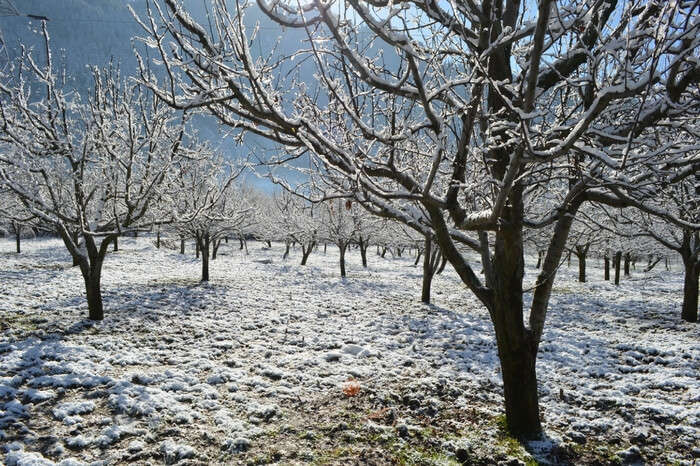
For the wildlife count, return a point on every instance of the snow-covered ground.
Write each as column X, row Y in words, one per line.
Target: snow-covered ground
column 217, row 373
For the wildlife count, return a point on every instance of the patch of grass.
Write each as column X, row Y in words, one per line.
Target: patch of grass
column 510, row 445
column 17, row 322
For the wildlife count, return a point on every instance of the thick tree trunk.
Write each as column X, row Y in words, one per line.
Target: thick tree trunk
column 342, row 248
column 606, row 261
column 17, row 242
column 94, row 293
column 520, row 392
column 196, row 248
column 517, row 351
column 618, row 260
column 182, row 245
column 690, row 290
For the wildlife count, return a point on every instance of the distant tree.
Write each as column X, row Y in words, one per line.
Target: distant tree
column 14, row 218
column 339, row 226
column 208, row 205
column 298, row 223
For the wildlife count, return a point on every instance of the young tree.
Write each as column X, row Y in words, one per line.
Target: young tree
column 298, row 223
column 208, row 205
column 91, row 169
column 453, row 117
column 366, row 227
column 338, row 226
column 14, row 218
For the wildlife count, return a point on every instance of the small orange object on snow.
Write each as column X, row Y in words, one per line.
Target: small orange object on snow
column 351, row 388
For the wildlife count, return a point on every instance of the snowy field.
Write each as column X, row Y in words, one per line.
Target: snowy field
column 251, row 367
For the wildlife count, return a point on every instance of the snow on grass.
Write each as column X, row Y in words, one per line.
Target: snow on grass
column 181, row 370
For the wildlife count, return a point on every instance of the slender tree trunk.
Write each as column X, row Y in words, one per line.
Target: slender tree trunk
column 428, row 270
column 158, row 239
column 197, row 247
column 363, row 252
column 628, row 258
column 286, row 250
column 690, row 290
column 618, row 260
column 581, row 253
column 568, row 260
column 606, row 261
column 215, row 248
column 384, row 249
column 342, row 247
column 398, row 252
column 419, row 253
column 306, row 251
column 182, row 245
column 539, row 259
column 325, row 247
column 443, row 263
column 269, row 243
column 240, row 238
column 76, row 241
column 17, row 242
column 205, row 257
column 116, row 244
column 136, row 233
column 652, row 263
column 378, row 252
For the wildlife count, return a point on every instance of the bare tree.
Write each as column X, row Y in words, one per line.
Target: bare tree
column 339, row 226
column 90, row 169
column 208, row 205
column 454, row 117
column 298, row 223
column 683, row 199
